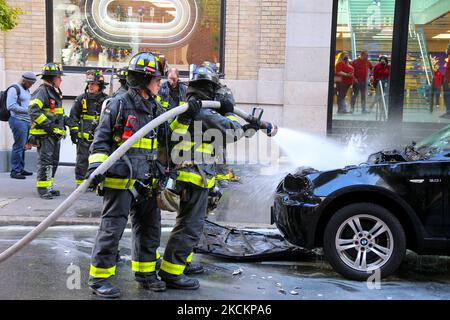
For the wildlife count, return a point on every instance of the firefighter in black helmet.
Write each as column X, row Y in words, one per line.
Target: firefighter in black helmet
column 194, row 176
column 122, row 76
column 128, row 186
column 83, row 119
column 47, row 127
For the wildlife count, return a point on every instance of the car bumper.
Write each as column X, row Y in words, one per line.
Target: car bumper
column 296, row 220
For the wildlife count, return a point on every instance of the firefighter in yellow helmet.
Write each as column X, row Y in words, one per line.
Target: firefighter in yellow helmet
column 127, row 187
column 47, row 127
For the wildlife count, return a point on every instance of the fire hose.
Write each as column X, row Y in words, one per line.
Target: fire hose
column 115, row 156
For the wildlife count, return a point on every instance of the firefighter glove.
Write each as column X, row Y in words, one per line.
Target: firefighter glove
column 99, row 178
column 250, row 129
column 193, row 109
column 74, row 136
column 226, row 106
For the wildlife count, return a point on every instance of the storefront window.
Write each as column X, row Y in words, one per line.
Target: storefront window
column 362, row 62
column 102, row 33
column 427, row 91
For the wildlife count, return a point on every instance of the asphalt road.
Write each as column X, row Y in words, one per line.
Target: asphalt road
column 48, row 268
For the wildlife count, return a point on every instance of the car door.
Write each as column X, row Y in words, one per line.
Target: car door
column 423, row 183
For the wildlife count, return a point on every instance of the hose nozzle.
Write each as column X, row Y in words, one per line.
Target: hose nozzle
column 271, row 128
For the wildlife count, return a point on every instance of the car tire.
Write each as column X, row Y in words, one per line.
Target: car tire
column 388, row 247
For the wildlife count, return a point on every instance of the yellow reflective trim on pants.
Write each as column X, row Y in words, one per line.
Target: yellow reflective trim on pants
column 56, row 110
column 102, row 273
column 137, row 266
column 178, row 127
column 59, row 131
column 40, row 119
column 74, row 128
column 145, row 143
column 196, row 179
column 89, row 117
column 84, row 135
column 36, row 101
column 206, row 148
column 189, row 257
column 184, row 145
column 232, row 118
column 227, row 176
column 181, row 103
column 175, row 269
column 78, row 182
column 158, row 255
column 165, row 104
column 44, row 183
column 118, row 183
column 97, row 157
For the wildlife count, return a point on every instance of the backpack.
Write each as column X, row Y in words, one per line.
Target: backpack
column 4, row 112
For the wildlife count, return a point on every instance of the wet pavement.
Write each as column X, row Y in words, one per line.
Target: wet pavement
column 48, row 268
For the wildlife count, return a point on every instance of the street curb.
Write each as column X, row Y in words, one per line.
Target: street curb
column 34, row 221
column 74, row 221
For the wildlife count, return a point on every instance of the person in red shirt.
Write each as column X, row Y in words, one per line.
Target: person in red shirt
column 381, row 73
column 436, row 87
column 362, row 66
column 344, row 79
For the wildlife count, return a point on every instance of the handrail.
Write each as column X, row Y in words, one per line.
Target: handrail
column 381, row 84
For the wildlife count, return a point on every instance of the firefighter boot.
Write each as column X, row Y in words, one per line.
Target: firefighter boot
column 193, row 269
column 179, row 282
column 150, row 281
column 104, row 289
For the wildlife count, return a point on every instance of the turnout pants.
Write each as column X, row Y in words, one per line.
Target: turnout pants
column 47, row 162
column 187, row 231
column 146, row 233
column 82, row 163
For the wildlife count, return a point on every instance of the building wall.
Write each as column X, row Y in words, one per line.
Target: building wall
column 276, row 57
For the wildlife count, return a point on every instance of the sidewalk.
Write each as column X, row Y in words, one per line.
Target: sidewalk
column 20, row 204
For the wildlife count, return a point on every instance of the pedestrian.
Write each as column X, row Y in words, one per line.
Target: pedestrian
column 361, row 66
column 84, row 117
column 436, row 88
column 194, row 176
column 17, row 100
column 47, row 127
column 173, row 91
column 122, row 76
column 344, row 73
column 380, row 81
column 127, row 187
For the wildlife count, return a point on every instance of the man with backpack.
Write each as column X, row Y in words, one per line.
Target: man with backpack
column 15, row 102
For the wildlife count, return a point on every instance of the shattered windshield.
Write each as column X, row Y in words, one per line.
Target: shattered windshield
column 436, row 142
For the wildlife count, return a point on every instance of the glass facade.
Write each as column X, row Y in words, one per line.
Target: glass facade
column 427, row 72
column 102, row 33
column 365, row 28
column 362, row 61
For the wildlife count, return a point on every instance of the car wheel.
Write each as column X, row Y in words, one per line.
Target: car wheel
column 362, row 238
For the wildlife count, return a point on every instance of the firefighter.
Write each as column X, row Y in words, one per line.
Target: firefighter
column 173, row 91
column 194, row 176
column 122, row 76
column 84, row 117
column 47, row 127
column 127, row 185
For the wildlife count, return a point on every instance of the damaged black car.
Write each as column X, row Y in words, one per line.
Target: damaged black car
column 365, row 217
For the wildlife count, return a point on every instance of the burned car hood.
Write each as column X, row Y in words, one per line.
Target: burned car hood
column 381, row 170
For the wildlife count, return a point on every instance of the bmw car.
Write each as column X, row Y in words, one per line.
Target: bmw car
column 366, row 216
